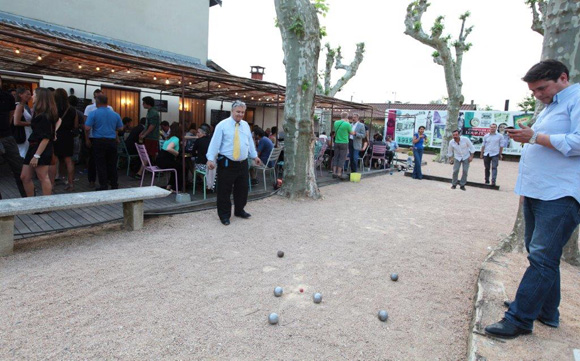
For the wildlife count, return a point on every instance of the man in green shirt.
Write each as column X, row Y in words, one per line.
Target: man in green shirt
column 342, row 128
column 150, row 135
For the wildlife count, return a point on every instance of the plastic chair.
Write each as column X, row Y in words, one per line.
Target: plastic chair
column 319, row 159
column 147, row 167
column 378, row 153
column 197, row 172
column 272, row 159
column 122, row 152
column 362, row 158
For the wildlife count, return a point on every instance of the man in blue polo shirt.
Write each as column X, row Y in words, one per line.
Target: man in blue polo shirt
column 548, row 185
column 104, row 123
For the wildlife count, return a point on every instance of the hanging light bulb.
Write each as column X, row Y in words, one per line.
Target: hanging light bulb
column 17, row 51
column 154, row 77
column 128, row 71
column 39, row 57
column 179, row 82
column 166, row 81
column 112, row 70
column 98, row 69
column 189, row 83
column 80, row 66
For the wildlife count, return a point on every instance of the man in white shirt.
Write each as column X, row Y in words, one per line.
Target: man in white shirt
column 491, row 150
column 460, row 152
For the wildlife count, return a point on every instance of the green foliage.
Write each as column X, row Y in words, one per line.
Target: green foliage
column 417, row 26
column 322, row 32
column 276, row 23
column 321, row 7
column 435, row 54
column 305, row 85
column 468, row 46
column 465, row 15
column 297, row 27
column 528, row 104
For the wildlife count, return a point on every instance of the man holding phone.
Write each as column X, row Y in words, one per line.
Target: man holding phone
column 548, row 185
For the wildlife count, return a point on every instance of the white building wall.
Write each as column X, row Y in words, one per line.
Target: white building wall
column 178, row 26
column 269, row 115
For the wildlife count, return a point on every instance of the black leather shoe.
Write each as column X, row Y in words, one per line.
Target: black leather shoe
column 505, row 329
column 462, row 188
column 453, row 186
column 225, row 221
column 243, row 214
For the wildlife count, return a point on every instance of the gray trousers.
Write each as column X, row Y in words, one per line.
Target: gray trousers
column 456, row 165
column 493, row 161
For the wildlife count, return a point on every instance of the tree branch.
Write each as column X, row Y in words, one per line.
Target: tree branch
column 538, row 13
column 351, row 69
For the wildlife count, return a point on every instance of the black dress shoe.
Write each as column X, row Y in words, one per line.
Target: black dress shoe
column 243, row 214
column 462, row 188
column 505, row 329
column 225, row 221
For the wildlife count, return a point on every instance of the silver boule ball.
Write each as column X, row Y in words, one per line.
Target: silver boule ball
column 394, row 277
column 273, row 318
column 317, row 297
column 278, row 291
column 280, row 254
column 383, row 315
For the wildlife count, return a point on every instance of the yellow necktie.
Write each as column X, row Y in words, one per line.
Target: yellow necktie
column 237, row 150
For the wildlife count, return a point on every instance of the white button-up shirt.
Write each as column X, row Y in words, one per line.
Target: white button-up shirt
column 460, row 151
column 492, row 144
column 222, row 141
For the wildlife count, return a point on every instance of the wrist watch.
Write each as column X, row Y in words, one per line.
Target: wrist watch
column 533, row 138
column 36, row 156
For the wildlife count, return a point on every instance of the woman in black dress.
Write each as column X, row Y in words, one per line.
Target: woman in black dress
column 39, row 154
column 65, row 142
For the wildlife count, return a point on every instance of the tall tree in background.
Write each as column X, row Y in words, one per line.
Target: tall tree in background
column 300, row 30
column 442, row 56
column 335, row 55
column 557, row 21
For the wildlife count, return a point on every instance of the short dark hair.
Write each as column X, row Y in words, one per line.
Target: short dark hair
column 546, row 70
column 421, row 127
column 101, row 99
column 165, row 123
column 73, row 100
column 379, row 138
column 149, row 101
column 259, row 132
column 455, row 131
column 127, row 120
column 97, row 91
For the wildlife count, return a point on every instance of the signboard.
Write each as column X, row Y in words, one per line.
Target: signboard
column 472, row 124
column 161, row 105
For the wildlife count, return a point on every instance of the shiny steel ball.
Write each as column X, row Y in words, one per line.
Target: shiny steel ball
column 383, row 315
column 273, row 318
column 394, row 277
column 317, row 297
column 278, row 291
column 280, row 254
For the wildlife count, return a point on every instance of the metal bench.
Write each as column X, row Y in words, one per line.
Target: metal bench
column 132, row 199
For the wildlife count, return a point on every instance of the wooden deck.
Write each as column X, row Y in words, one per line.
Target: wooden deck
column 38, row 224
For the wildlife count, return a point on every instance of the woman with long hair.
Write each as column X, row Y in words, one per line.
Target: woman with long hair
column 168, row 156
column 23, row 116
column 64, row 144
column 39, row 154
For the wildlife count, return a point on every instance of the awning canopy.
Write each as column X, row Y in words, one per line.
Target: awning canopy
column 31, row 46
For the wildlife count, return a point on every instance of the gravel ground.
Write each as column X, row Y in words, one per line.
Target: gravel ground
column 186, row 287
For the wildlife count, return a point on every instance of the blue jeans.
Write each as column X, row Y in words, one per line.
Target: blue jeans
column 548, row 226
column 418, row 155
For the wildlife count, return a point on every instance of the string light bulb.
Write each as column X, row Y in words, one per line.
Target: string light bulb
column 166, row 81
column 112, row 70
column 98, row 69
column 154, row 77
column 80, row 66
column 17, row 51
column 39, row 57
column 128, row 71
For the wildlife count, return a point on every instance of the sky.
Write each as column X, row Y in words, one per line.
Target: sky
column 396, row 67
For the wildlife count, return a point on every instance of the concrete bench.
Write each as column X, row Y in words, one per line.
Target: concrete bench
column 132, row 199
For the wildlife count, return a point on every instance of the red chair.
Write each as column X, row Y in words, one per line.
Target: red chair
column 378, row 152
column 146, row 162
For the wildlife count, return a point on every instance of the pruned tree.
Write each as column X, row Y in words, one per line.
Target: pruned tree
column 528, row 104
column 557, row 21
column 444, row 57
column 300, row 30
column 334, row 57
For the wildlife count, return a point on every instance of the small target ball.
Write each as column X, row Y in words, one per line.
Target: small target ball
column 280, row 254
column 317, row 297
column 383, row 315
column 301, row 290
column 394, row 277
column 273, row 319
column 278, row 291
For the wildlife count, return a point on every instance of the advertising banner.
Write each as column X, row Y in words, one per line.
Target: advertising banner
column 472, row 124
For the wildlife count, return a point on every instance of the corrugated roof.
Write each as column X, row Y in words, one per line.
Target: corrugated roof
column 83, row 37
